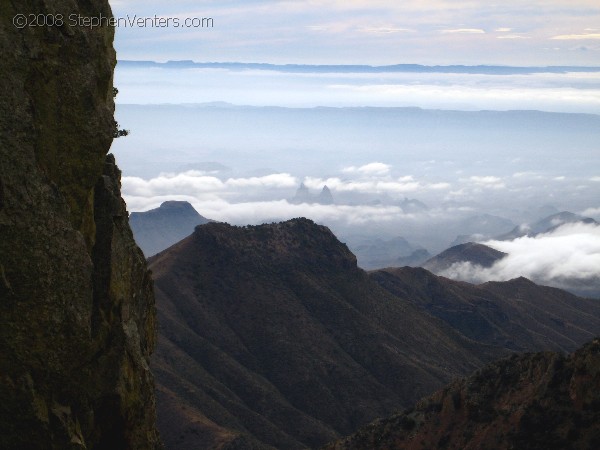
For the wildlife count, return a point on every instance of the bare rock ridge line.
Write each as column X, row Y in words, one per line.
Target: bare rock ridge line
column 76, row 303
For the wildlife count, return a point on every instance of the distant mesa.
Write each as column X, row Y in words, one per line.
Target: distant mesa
column 159, row 228
column 471, row 252
column 303, row 195
column 545, row 225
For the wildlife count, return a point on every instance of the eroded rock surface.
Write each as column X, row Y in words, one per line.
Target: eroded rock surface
column 76, row 304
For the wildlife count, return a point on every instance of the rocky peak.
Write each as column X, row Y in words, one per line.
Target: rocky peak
column 296, row 243
column 302, row 195
column 325, row 197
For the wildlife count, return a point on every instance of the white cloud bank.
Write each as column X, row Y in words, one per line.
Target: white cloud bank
column 371, row 199
column 568, row 258
column 199, row 184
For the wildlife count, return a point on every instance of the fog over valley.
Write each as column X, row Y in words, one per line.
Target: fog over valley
column 413, row 162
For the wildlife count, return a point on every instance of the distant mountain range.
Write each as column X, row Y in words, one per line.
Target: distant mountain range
column 158, row 229
column 482, row 227
column 545, row 225
column 518, row 314
column 544, row 401
column 482, row 231
column 373, row 253
column 453, row 260
column 272, row 337
column 410, row 68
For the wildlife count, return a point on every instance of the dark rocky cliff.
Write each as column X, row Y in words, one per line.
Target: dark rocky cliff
column 76, row 305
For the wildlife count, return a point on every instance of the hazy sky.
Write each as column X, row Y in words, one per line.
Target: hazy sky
column 513, row 32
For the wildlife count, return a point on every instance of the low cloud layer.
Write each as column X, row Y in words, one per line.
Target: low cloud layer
column 201, row 185
column 567, row 92
column 370, row 199
column 568, row 258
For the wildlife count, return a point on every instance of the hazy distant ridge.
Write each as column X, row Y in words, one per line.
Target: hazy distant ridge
column 406, row 68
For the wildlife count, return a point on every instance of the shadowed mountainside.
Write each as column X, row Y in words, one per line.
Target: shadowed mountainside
column 517, row 314
column 272, row 332
column 542, row 401
column 271, row 336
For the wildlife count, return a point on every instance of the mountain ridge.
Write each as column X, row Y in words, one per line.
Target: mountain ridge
column 282, row 312
column 415, row 68
column 517, row 314
column 271, row 335
column 530, row 401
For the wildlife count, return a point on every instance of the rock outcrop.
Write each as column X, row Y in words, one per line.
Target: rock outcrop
column 76, row 304
column 531, row 401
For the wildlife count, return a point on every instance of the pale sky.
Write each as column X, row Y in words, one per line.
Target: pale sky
column 513, row 32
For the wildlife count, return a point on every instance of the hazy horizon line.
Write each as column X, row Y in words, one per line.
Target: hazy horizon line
column 481, row 69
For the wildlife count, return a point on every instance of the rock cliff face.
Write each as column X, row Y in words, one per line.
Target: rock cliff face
column 76, row 305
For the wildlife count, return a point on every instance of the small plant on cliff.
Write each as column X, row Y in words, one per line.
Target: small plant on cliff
column 118, row 132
